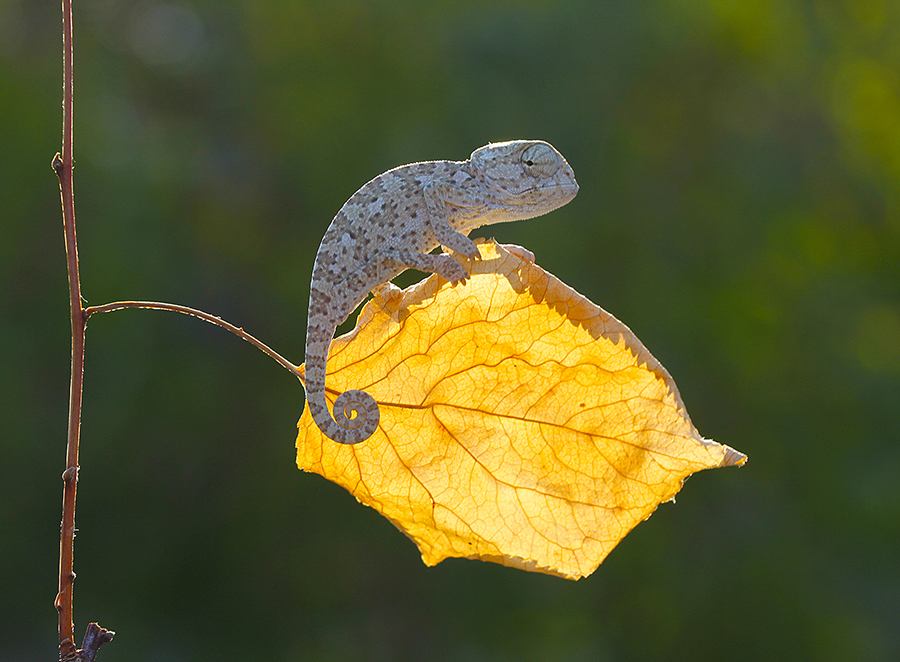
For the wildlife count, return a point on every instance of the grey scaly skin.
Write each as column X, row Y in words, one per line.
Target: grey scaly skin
column 393, row 223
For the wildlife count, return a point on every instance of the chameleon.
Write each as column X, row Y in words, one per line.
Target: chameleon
column 393, row 223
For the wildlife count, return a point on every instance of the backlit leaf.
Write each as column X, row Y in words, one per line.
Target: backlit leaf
column 520, row 423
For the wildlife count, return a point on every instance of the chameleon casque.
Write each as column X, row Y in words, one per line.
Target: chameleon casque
column 393, row 223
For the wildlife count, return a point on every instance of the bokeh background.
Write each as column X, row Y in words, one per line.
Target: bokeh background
column 739, row 165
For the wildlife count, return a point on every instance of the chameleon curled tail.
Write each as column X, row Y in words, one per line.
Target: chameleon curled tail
column 356, row 413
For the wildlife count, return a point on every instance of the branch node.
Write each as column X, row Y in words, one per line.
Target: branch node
column 67, row 651
column 57, row 164
column 70, row 474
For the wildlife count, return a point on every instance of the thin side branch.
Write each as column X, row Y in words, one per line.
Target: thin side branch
column 212, row 319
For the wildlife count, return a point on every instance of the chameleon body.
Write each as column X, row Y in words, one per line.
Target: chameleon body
column 393, row 223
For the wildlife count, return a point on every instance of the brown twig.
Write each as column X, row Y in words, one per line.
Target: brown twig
column 62, row 164
column 95, row 636
column 212, row 319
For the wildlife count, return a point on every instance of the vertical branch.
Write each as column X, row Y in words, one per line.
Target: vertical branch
column 63, row 167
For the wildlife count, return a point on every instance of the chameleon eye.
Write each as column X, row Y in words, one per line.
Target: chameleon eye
column 540, row 160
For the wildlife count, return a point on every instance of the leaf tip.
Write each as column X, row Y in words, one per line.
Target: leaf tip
column 732, row 458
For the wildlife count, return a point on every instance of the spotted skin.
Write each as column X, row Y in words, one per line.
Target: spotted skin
column 393, row 223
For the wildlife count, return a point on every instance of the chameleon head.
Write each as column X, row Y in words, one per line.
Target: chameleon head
column 527, row 177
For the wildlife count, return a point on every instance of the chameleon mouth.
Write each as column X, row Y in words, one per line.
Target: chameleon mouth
column 569, row 190
column 541, row 199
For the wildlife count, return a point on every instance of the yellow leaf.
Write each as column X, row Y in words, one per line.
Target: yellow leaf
column 520, row 423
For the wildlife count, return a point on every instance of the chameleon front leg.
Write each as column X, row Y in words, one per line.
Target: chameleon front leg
column 443, row 264
column 437, row 196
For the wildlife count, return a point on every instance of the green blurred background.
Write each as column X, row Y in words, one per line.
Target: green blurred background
column 739, row 165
